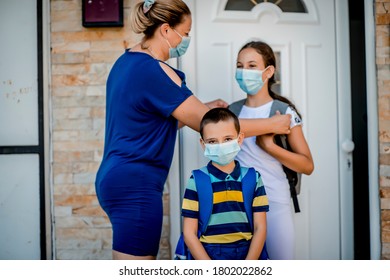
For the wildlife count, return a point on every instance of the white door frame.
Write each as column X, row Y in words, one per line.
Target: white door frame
column 345, row 129
column 47, row 132
column 373, row 131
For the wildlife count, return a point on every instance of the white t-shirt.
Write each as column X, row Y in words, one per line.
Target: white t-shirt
column 251, row 155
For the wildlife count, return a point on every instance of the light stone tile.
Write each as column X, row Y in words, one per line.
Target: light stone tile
column 62, row 211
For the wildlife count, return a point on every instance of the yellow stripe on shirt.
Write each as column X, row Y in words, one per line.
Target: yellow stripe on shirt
column 192, row 205
column 227, row 196
column 226, row 238
column 260, row 201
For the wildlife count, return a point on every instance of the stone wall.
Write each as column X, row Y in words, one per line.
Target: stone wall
column 382, row 10
column 81, row 59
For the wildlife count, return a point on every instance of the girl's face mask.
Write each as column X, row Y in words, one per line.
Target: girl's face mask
column 249, row 80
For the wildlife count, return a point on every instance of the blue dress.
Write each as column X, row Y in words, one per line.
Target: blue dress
column 140, row 135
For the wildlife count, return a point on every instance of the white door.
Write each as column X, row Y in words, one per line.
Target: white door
column 20, row 212
column 312, row 48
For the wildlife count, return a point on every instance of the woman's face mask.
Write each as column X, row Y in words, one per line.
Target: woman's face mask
column 181, row 48
column 249, row 80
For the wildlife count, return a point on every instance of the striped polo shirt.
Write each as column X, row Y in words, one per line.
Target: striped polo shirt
column 228, row 222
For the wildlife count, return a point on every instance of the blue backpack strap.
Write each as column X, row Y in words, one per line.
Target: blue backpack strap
column 249, row 183
column 248, row 190
column 205, row 196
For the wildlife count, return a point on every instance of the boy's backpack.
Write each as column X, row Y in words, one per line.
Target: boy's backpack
column 205, row 198
column 294, row 178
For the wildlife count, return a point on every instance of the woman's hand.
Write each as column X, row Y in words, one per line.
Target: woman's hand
column 281, row 123
column 217, row 104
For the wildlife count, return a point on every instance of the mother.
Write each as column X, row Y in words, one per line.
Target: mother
column 147, row 100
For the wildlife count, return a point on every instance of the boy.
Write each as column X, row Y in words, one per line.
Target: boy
column 229, row 234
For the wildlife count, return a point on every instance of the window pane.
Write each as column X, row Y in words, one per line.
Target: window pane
column 19, row 207
column 277, row 86
column 287, row 6
column 18, row 73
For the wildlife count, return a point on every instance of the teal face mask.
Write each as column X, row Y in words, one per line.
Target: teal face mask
column 181, row 48
column 222, row 154
column 249, row 80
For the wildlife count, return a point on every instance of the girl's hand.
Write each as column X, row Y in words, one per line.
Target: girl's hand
column 265, row 141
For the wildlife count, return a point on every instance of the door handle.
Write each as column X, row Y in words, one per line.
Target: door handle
column 348, row 146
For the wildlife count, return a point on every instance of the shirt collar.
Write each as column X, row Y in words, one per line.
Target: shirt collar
column 222, row 175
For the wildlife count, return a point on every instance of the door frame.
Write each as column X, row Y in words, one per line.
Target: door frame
column 344, row 129
column 373, row 131
column 44, row 54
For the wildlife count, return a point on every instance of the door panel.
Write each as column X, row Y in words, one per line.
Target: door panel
column 19, row 207
column 306, row 48
column 21, row 145
column 18, row 79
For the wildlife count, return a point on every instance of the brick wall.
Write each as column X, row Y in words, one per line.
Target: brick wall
column 382, row 9
column 81, row 59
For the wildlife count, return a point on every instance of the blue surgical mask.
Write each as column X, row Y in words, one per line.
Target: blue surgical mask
column 250, row 80
column 181, row 47
column 222, row 154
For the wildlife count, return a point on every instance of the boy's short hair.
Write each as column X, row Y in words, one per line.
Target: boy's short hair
column 216, row 115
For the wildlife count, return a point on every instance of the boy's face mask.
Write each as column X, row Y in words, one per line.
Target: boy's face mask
column 222, row 154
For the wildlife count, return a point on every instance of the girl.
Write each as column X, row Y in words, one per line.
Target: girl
column 255, row 75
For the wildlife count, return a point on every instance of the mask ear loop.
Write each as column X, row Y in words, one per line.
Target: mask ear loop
column 268, row 76
column 178, row 33
column 202, row 143
column 240, row 138
column 169, row 44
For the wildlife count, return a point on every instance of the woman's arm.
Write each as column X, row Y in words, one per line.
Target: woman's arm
column 259, row 235
column 300, row 160
column 218, row 103
column 192, row 110
column 278, row 124
column 190, row 230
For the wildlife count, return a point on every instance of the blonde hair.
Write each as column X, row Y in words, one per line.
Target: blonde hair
column 162, row 11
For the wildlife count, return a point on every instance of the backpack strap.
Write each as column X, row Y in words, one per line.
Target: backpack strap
column 281, row 140
column 248, row 190
column 278, row 105
column 236, row 107
column 205, row 194
column 249, row 179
